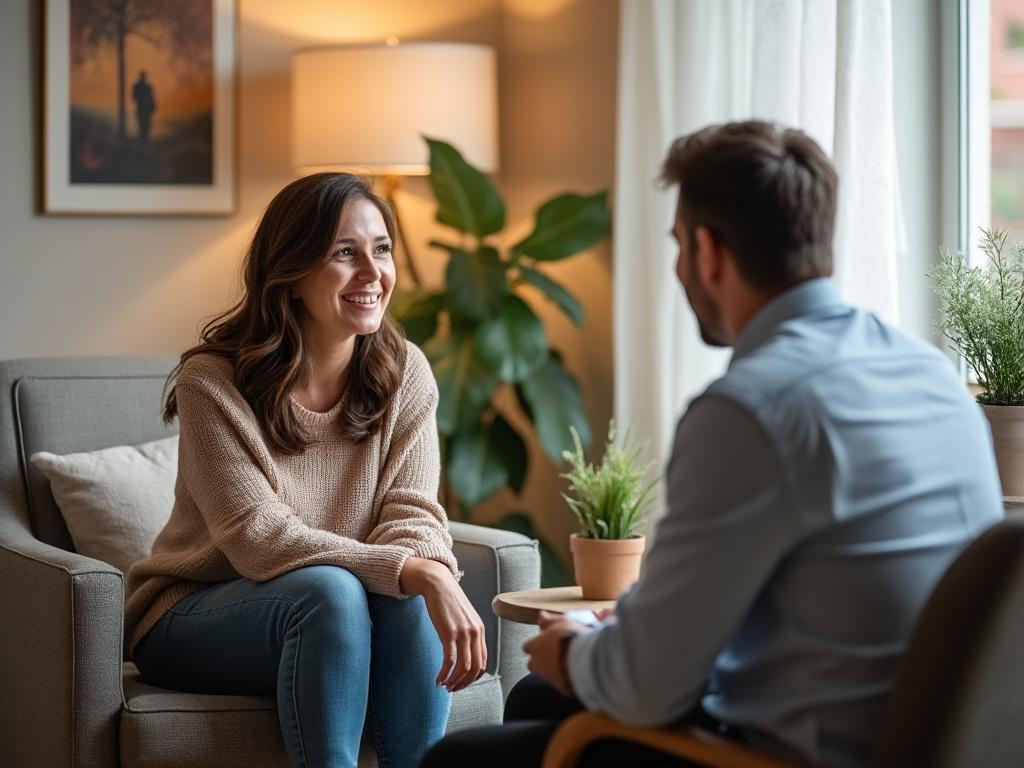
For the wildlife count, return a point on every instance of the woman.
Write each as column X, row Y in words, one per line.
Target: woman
column 306, row 554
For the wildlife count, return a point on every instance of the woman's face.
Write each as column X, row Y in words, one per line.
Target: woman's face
column 348, row 295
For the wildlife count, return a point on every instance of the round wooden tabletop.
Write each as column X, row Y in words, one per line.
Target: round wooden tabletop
column 524, row 607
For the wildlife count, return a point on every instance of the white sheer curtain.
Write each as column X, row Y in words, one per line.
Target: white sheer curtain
column 824, row 66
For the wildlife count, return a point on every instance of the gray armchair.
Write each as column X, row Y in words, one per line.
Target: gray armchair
column 67, row 696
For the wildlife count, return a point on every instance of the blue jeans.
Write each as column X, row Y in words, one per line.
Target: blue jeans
column 331, row 653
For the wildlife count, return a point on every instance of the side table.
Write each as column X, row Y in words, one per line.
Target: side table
column 525, row 606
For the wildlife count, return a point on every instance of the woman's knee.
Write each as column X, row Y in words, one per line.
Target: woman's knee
column 403, row 629
column 326, row 595
column 406, row 617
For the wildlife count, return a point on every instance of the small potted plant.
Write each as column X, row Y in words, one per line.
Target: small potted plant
column 609, row 501
column 983, row 318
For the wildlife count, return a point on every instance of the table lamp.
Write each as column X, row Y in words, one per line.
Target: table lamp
column 368, row 107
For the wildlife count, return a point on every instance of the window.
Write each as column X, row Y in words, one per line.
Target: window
column 982, row 124
column 1006, row 113
column 986, row 188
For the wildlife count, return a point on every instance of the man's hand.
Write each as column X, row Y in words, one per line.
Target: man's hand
column 456, row 622
column 546, row 649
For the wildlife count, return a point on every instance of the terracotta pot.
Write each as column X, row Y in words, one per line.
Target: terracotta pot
column 1007, row 422
column 605, row 567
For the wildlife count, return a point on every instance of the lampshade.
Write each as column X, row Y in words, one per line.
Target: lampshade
column 368, row 107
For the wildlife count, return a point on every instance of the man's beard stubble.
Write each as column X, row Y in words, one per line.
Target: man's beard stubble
column 709, row 318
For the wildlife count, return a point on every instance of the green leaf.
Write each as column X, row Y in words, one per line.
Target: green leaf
column 465, row 198
column 552, row 571
column 511, row 450
column 523, row 402
column 475, row 470
column 513, row 344
column 419, row 314
column 567, row 224
column 476, row 282
column 556, row 405
column 465, row 386
column 564, row 300
column 482, row 461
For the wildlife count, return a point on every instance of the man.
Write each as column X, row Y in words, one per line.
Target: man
column 816, row 492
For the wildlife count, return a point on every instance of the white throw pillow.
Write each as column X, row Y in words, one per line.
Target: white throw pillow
column 114, row 501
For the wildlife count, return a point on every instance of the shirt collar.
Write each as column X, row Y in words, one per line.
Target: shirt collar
column 802, row 299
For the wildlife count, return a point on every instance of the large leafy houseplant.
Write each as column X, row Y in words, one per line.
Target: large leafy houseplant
column 482, row 336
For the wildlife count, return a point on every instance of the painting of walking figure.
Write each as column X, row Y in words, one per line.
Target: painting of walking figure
column 114, row 42
column 146, row 87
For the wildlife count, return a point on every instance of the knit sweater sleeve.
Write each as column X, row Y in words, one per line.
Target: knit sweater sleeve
column 225, row 464
column 410, row 515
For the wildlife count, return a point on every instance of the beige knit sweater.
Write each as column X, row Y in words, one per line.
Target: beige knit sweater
column 244, row 510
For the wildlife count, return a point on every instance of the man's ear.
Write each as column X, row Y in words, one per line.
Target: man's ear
column 709, row 257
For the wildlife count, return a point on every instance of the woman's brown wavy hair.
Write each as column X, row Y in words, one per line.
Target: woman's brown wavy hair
column 261, row 335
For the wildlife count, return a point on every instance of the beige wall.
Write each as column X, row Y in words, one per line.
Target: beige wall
column 120, row 285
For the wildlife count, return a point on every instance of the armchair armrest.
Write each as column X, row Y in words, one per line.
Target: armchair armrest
column 60, row 653
column 695, row 744
column 495, row 561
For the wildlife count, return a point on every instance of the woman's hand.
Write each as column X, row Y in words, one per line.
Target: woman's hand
column 457, row 623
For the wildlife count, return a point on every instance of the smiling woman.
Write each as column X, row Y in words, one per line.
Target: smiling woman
column 345, row 297
column 291, row 334
column 307, row 495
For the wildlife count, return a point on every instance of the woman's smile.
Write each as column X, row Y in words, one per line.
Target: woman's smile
column 362, row 299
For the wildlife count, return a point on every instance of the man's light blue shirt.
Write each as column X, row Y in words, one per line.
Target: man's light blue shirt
column 816, row 493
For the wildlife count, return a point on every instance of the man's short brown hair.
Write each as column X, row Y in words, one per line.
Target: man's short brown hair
column 766, row 193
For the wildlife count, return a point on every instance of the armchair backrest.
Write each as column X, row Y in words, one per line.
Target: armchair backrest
column 70, row 404
column 958, row 699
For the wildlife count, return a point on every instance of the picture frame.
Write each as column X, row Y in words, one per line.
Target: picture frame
column 139, row 110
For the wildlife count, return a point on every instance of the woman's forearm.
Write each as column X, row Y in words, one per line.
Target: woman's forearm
column 420, row 576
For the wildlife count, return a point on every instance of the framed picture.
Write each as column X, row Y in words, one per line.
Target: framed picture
column 139, row 107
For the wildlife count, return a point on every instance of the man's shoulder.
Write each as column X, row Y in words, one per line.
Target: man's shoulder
column 827, row 351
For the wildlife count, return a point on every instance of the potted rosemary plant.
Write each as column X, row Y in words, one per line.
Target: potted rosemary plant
column 609, row 501
column 983, row 318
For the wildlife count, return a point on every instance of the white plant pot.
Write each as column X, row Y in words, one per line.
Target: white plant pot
column 1007, row 422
